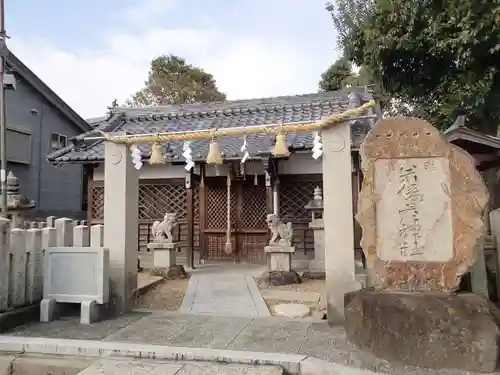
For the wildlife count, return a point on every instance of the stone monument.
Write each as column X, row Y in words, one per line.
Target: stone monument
column 420, row 208
column 280, row 252
column 165, row 249
column 315, row 207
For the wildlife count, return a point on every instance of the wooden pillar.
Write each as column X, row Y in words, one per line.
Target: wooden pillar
column 190, row 220
column 276, row 197
column 269, row 186
column 90, row 198
column 203, row 212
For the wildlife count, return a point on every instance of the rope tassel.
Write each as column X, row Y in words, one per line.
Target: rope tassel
column 228, row 247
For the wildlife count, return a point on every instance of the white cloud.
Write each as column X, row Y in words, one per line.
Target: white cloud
column 243, row 66
column 149, row 10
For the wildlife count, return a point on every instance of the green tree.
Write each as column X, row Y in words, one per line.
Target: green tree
column 341, row 74
column 337, row 76
column 172, row 81
column 437, row 56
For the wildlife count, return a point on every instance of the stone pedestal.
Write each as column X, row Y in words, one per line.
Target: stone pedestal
column 280, row 265
column 164, row 260
column 280, row 257
column 436, row 330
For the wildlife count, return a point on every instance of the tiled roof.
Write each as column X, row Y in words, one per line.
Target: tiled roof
column 97, row 121
column 300, row 108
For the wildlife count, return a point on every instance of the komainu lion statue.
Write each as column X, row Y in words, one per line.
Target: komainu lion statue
column 162, row 231
column 281, row 232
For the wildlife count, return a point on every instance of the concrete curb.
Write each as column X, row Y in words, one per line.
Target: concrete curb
column 145, row 287
column 293, row 363
column 188, row 300
column 258, row 300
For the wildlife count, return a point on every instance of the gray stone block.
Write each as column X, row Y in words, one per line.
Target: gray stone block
column 434, row 330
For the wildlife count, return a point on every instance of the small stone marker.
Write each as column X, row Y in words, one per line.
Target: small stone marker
column 292, row 310
column 420, row 209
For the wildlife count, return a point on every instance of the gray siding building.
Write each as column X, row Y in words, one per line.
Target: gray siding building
column 38, row 123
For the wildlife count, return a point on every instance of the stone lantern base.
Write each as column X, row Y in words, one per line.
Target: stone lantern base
column 164, row 260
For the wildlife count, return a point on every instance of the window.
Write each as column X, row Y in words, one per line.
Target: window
column 58, row 141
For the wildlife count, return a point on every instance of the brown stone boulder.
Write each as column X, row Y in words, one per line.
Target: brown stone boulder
column 277, row 278
column 173, row 272
column 423, row 329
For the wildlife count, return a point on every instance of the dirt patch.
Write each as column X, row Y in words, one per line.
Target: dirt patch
column 167, row 295
column 307, row 285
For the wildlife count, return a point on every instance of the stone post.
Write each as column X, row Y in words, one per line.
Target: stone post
column 478, row 275
column 64, row 232
column 495, row 232
column 51, row 221
column 4, row 263
column 97, row 235
column 81, row 236
column 18, row 251
column 315, row 206
column 121, row 205
column 338, row 219
column 49, row 237
column 34, row 286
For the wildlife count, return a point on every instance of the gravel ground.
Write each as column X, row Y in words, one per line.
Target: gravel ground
column 166, row 295
column 307, row 285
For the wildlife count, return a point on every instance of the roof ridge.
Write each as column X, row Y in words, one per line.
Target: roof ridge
column 230, row 108
column 285, row 99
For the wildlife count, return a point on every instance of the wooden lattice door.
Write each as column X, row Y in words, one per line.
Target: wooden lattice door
column 248, row 227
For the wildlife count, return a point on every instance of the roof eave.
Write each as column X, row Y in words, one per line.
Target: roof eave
column 47, row 92
column 467, row 134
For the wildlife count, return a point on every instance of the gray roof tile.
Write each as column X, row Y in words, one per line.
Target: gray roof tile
column 287, row 109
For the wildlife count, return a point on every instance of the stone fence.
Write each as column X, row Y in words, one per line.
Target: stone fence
column 22, row 252
column 49, row 222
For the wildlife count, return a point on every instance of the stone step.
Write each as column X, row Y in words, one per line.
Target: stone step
column 69, row 365
column 138, row 367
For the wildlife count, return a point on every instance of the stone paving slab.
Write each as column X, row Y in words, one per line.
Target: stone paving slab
column 224, row 294
column 271, row 335
column 70, row 328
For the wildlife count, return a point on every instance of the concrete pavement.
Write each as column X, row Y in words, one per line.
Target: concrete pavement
column 299, row 346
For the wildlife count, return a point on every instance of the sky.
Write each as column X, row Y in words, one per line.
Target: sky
column 93, row 51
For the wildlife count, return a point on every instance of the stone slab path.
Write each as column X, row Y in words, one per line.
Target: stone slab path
column 229, row 291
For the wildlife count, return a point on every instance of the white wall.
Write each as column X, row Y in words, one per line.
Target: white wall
column 151, row 171
column 296, row 164
column 302, row 163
